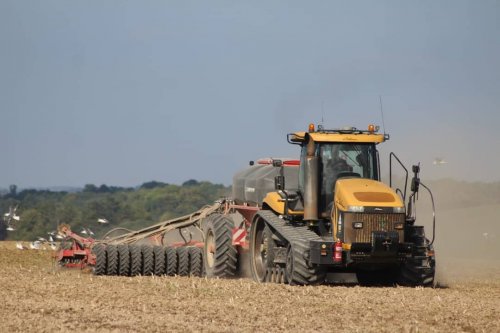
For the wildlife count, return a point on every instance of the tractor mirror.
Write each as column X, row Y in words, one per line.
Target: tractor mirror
column 279, row 182
column 277, row 163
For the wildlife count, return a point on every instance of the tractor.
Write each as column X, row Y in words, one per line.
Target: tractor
column 295, row 221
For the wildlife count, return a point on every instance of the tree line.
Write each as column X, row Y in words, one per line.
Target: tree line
column 41, row 211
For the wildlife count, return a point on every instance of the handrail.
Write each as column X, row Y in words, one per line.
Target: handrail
column 390, row 173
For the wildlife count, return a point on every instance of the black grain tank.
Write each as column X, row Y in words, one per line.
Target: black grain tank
column 253, row 183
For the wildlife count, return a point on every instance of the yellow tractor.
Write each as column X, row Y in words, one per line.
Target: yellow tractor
column 300, row 222
column 330, row 213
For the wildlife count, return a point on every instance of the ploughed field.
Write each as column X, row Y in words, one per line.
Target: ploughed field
column 37, row 295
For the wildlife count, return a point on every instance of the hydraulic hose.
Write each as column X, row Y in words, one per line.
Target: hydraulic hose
column 433, row 213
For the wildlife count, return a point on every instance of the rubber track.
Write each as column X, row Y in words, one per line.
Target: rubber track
column 147, row 260
column 226, row 255
column 195, row 261
column 170, row 261
column 159, row 255
column 419, row 270
column 123, row 260
column 183, row 261
column 112, row 264
column 414, row 275
column 299, row 238
column 135, row 260
column 99, row 250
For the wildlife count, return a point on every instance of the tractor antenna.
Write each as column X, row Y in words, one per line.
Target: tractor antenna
column 382, row 112
column 322, row 112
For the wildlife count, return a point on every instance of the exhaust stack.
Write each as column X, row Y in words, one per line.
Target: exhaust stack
column 311, row 183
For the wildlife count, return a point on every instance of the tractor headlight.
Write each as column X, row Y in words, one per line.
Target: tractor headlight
column 357, row 225
column 356, row 209
column 398, row 209
column 399, row 226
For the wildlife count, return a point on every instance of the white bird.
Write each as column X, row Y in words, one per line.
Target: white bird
column 19, row 246
column 41, row 239
column 8, row 217
column 51, row 239
column 83, row 231
column 101, row 220
column 35, row 245
column 439, row 161
column 53, row 246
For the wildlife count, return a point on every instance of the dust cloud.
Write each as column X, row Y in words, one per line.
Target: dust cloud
column 467, row 241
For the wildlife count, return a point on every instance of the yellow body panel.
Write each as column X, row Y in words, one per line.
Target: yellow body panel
column 276, row 203
column 362, row 192
column 365, row 192
column 339, row 137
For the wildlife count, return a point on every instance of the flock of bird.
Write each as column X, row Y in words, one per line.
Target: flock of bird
column 11, row 219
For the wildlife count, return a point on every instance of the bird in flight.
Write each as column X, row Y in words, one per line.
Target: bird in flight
column 11, row 218
column 439, row 161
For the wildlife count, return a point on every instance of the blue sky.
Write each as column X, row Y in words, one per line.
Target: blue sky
column 122, row 92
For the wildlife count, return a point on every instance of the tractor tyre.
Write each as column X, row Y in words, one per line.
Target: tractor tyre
column 135, row 260
column 195, row 261
column 112, row 264
column 159, row 255
column 123, row 260
column 99, row 250
column 147, row 260
column 182, row 261
column 220, row 257
column 170, row 261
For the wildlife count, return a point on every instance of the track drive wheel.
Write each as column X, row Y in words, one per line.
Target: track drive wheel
column 99, row 250
column 220, row 257
column 112, row 264
column 123, row 260
column 297, row 270
column 261, row 251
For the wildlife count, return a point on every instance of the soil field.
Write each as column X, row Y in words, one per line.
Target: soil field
column 37, row 296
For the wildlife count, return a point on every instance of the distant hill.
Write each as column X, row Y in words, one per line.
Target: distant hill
column 41, row 210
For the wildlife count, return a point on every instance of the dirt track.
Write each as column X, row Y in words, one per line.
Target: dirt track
column 35, row 296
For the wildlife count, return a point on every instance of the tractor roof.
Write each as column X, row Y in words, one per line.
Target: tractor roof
column 348, row 134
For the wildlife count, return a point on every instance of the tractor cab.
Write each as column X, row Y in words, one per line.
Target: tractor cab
column 330, row 155
column 342, row 160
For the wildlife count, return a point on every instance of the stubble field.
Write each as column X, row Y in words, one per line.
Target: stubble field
column 36, row 295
